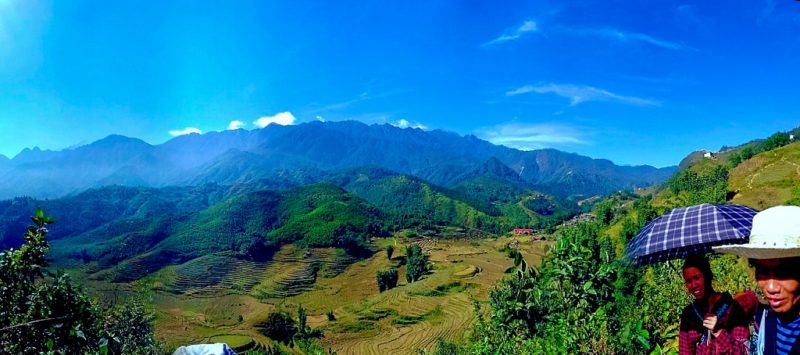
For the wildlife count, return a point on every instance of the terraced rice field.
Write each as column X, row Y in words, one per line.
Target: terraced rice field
column 222, row 297
column 418, row 316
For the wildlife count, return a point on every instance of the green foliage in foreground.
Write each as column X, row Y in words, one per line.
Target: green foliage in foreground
column 43, row 312
column 587, row 298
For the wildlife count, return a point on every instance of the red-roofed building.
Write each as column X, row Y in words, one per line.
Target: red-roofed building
column 523, row 231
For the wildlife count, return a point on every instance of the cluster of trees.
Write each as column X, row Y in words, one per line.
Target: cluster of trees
column 44, row 312
column 776, row 140
column 416, row 263
column 281, row 327
column 387, row 279
column 693, row 187
column 541, row 205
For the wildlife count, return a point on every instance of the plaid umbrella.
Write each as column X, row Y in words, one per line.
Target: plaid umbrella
column 691, row 230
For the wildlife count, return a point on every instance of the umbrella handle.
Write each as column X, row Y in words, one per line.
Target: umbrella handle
column 708, row 340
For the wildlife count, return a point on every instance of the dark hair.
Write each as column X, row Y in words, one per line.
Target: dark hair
column 701, row 263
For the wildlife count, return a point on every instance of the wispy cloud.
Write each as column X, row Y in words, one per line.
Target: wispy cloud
column 578, row 94
column 235, row 124
column 625, row 36
column 185, row 131
column 404, row 123
column 529, row 136
column 283, row 119
column 769, row 7
column 514, row 34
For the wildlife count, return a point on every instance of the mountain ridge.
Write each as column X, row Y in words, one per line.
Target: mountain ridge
column 437, row 156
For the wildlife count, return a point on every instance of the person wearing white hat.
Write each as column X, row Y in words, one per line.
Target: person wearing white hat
column 774, row 251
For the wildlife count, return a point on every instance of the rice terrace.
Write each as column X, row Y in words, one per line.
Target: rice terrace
column 221, row 298
column 430, row 178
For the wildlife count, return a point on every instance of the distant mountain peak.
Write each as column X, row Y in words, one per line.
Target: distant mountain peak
column 494, row 166
column 117, row 139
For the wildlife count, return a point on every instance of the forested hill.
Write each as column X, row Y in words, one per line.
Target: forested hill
column 301, row 153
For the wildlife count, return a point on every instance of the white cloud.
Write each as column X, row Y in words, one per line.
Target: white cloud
column 185, row 131
column 320, row 118
column 578, row 94
column 235, row 124
column 624, row 36
column 283, row 119
column 529, row 136
column 526, row 27
column 404, row 123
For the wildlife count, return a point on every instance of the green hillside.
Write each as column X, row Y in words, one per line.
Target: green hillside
column 410, row 202
column 252, row 225
column 625, row 308
column 768, row 179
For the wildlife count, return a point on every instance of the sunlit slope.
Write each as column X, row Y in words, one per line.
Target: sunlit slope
column 768, row 179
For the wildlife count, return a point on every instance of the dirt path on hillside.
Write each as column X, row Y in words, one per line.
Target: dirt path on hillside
column 754, row 176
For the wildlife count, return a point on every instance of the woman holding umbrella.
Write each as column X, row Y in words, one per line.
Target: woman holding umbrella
column 713, row 323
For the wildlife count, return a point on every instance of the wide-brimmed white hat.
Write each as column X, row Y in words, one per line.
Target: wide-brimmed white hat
column 775, row 234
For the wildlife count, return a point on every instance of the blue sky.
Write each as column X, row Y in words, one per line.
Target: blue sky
column 634, row 82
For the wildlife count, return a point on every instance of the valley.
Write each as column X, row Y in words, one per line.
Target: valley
column 221, row 297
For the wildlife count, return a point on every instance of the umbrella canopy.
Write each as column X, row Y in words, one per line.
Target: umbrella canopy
column 692, row 230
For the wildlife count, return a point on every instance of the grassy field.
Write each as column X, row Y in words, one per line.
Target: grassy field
column 219, row 298
column 768, row 179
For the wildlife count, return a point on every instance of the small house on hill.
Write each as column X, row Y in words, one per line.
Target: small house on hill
column 523, row 231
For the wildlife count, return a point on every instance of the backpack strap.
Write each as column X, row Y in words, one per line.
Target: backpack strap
column 770, row 330
column 760, row 326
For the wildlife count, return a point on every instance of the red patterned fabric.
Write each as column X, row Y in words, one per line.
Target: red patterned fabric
column 733, row 338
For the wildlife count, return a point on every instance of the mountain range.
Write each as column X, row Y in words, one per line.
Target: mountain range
column 286, row 156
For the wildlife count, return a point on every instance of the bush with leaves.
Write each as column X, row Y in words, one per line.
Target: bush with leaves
column 44, row 312
column 130, row 331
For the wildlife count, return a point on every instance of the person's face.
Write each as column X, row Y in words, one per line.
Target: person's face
column 779, row 282
column 695, row 282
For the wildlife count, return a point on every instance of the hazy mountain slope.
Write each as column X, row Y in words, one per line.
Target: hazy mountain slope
column 246, row 156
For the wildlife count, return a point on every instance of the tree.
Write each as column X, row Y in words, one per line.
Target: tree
column 389, row 251
column 604, row 211
column 735, row 160
column 747, row 153
column 776, row 140
column 302, row 322
column 416, row 263
column 280, row 327
column 387, row 279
